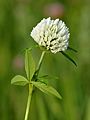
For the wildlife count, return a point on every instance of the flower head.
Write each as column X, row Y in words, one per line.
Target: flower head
column 51, row 34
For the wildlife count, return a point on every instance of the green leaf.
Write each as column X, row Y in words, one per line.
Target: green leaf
column 47, row 77
column 69, row 48
column 46, row 89
column 29, row 64
column 19, row 80
column 43, row 79
column 44, row 76
column 69, row 58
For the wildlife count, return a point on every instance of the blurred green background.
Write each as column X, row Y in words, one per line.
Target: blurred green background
column 17, row 18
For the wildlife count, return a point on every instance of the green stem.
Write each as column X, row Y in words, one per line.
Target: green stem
column 28, row 101
column 40, row 62
column 31, row 87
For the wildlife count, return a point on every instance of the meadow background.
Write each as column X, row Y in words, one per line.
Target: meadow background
column 17, row 18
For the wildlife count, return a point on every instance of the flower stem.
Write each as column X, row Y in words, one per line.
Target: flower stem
column 31, row 87
column 28, row 101
column 40, row 62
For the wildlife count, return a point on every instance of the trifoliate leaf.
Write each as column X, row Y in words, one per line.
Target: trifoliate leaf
column 29, row 64
column 46, row 89
column 19, row 80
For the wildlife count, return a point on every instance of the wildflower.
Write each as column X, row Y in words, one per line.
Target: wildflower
column 51, row 34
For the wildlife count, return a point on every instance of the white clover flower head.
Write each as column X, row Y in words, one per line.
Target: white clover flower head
column 51, row 34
